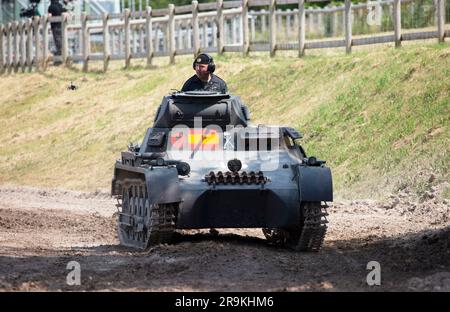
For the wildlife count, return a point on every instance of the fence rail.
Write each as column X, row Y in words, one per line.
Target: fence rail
column 223, row 26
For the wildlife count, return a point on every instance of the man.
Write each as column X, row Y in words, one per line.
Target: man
column 56, row 9
column 204, row 79
column 31, row 11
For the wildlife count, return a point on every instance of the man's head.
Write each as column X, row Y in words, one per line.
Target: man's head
column 204, row 66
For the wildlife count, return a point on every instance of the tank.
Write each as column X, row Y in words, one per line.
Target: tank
column 203, row 164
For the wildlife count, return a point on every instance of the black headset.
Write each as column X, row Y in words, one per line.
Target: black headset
column 211, row 65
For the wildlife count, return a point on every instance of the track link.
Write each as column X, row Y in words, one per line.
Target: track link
column 141, row 225
column 314, row 227
column 308, row 235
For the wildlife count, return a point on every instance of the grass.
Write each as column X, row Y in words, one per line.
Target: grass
column 380, row 119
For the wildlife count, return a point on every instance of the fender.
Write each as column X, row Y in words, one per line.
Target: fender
column 162, row 182
column 315, row 184
column 163, row 185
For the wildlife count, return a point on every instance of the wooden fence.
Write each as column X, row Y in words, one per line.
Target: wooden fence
column 24, row 45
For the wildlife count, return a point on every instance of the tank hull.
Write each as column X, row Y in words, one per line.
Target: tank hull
column 275, row 203
column 219, row 172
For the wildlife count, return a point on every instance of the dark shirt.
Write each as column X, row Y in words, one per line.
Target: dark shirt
column 56, row 9
column 214, row 84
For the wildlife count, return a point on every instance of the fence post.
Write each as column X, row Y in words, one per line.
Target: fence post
column 309, row 24
column 2, row 52
column 245, row 33
column 272, row 28
column 214, row 32
column 106, row 49
column 120, row 41
column 263, row 21
column 172, row 47
column 157, row 37
column 16, row 43
column 320, row 22
column 45, row 41
column 397, row 23
column 179, row 42
column 23, row 45
column 195, row 28
column 441, row 20
column 288, row 24
column 188, row 35
column 9, row 48
column 133, row 39
column 335, row 22
column 165, row 35
column 279, row 25
column 253, row 26
column 113, row 41
column 301, row 28
column 348, row 26
column 141, row 38
column 295, row 26
column 16, row 32
column 30, row 45
column 314, row 23
column 148, row 35
column 127, row 38
column 64, row 39
column 37, row 43
column 233, row 30
column 85, row 41
column 205, row 33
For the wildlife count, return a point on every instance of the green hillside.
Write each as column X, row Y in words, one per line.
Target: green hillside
column 380, row 119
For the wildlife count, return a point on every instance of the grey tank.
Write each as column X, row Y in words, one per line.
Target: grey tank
column 204, row 165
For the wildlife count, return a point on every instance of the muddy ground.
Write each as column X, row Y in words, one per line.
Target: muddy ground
column 42, row 230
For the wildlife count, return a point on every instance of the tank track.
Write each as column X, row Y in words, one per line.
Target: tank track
column 314, row 227
column 141, row 225
column 308, row 235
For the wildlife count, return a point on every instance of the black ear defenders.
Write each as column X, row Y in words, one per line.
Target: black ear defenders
column 210, row 60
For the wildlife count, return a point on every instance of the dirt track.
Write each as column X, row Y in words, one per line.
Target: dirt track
column 42, row 230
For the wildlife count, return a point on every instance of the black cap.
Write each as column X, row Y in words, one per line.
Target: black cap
column 203, row 59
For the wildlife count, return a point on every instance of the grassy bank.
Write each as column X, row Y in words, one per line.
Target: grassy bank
column 380, row 119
